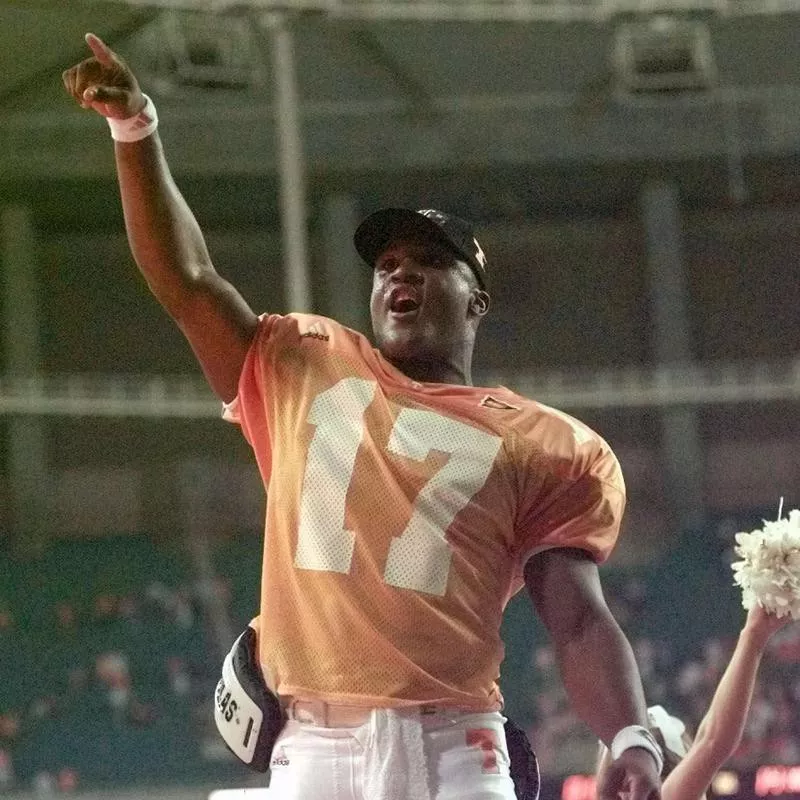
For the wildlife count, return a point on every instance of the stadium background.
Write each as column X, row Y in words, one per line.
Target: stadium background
column 633, row 171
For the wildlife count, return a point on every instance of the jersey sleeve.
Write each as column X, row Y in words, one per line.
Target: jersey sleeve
column 583, row 512
column 249, row 408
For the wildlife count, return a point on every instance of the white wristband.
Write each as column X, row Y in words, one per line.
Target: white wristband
column 137, row 127
column 637, row 736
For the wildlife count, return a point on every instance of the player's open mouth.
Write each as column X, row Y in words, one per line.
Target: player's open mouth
column 403, row 302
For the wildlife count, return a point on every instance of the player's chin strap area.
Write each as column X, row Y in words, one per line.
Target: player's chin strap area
column 248, row 715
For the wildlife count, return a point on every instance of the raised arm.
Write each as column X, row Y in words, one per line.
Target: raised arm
column 164, row 236
column 596, row 663
column 721, row 730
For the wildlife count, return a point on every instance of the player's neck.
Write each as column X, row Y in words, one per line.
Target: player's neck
column 434, row 371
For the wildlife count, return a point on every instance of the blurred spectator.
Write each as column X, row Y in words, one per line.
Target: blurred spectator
column 111, row 670
column 182, row 610
column 9, row 725
column 786, row 647
column 105, row 606
column 42, row 707
column 67, row 780
column 179, row 677
column 141, row 714
column 6, row 771
column 44, row 785
column 129, row 609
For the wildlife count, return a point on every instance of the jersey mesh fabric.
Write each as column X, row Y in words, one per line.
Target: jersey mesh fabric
column 400, row 516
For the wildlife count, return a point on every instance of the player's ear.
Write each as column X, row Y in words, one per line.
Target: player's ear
column 479, row 302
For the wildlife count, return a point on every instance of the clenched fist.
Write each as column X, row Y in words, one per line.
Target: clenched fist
column 104, row 82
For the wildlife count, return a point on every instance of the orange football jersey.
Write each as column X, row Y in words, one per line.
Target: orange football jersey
column 400, row 516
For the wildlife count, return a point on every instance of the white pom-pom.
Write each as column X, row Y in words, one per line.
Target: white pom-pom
column 769, row 573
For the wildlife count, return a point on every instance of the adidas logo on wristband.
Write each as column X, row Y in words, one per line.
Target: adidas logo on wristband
column 135, row 128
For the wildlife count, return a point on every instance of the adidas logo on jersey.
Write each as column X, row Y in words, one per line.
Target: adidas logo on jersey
column 279, row 758
column 315, row 331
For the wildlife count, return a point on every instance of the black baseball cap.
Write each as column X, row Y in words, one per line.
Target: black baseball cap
column 378, row 230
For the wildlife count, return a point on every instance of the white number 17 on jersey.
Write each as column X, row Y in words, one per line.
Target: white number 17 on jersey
column 419, row 558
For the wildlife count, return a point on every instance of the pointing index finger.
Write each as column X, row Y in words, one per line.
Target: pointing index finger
column 100, row 49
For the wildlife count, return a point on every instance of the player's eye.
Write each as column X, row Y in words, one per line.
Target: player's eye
column 436, row 257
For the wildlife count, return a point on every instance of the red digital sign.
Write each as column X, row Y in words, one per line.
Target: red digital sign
column 770, row 780
column 777, row 780
column 578, row 787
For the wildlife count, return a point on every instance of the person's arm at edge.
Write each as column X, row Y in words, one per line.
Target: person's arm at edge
column 596, row 661
column 720, row 731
